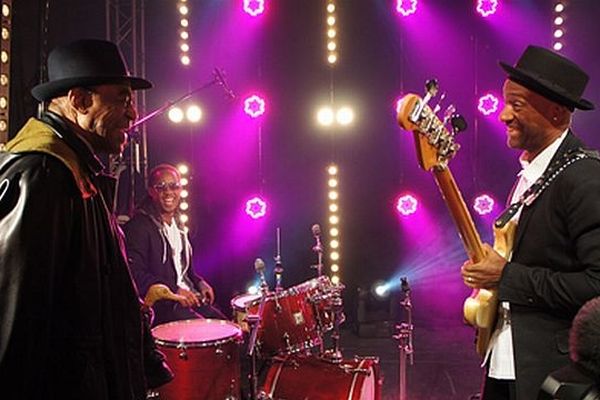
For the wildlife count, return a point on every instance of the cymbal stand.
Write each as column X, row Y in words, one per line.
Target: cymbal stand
column 404, row 336
column 254, row 324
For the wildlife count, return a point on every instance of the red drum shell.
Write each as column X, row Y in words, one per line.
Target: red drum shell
column 204, row 356
column 299, row 378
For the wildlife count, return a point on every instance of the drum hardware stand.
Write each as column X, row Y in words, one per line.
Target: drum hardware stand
column 254, row 323
column 278, row 267
column 318, row 248
column 335, row 354
column 405, row 339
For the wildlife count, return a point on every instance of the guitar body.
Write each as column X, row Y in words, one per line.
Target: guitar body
column 435, row 146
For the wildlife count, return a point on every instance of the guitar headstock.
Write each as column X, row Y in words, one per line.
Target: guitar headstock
column 435, row 142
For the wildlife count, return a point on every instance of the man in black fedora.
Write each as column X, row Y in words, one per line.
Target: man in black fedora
column 70, row 321
column 554, row 266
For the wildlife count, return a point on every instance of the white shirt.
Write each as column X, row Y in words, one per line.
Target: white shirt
column 174, row 238
column 502, row 362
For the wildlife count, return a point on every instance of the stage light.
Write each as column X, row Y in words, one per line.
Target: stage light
column 331, row 20
column 176, row 115
column 334, row 255
column 406, row 7
column 183, row 169
column 335, row 280
column 254, row 106
column 334, row 268
column 184, row 35
column 345, row 116
column 559, row 21
column 407, row 205
column 334, row 244
column 332, row 182
column 5, row 46
column 185, row 60
column 333, row 208
column 483, row 204
column 331, row 33
column 331, row 46
column 557, row 46
column 332, row 170
column 333, row 195
column 330, row 8
column 559, row 7
column 334, row 219
column 381, row 289
column 488, row 104
column 254, row 7
column 193, row 113
column 252, row 289
column 183, row 9
column 184, row 206
column 184, row 22
column 256, row 207
column 184, row 194
column 185, row 47
column 332, row 58
column 487, row 7
column 325, row 116
column 334, row 232
column 184, row 218
column 184, row 181
column 558, row 33
column 5, row 10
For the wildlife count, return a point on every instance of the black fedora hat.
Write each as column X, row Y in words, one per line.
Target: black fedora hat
column 551, row 75
column 85, row 62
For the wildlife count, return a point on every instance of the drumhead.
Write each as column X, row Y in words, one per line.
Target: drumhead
column 242, row 301
column 196, row 332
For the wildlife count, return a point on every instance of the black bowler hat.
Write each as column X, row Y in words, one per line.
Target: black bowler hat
column 85, row 62
column 551, row 75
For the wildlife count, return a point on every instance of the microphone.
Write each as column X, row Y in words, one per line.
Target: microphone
column 220, row 79
column 259, row 266
column 316, row 231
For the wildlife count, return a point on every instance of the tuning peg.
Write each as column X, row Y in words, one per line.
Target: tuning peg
column 458, row 123
column 438, row 106
column 432, row 87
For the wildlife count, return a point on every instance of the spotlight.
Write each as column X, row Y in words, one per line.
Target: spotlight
column 332, row 170
column 485, row 8
column 184, row 22
column 483, row 204
column 345, row 116
column 256, row 207
column 184, row 35
column 185, row 60
column 331, row 33
column 330, row 7
column 193, row 113
column 333, row 195
column 381, row 290
column 331, row 46
column 558, row 46
column 332, row 182
column 488, row 104
column 407, row 205
column 254, row 7
column 183, row 169
column 325, row 116
column 332, row 58
column 175, row 114
column 559, row 7
column 334, row 232
column 406, row 7
column 254, row 106
column 559, row 20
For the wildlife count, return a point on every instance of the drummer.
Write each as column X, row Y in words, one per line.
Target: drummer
column 160, row 254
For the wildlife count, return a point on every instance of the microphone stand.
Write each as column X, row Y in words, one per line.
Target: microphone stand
column 254, row 323
column 318, row 248
column 278, row 267
column 405, row 340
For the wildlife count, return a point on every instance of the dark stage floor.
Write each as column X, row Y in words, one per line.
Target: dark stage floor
column 446, row 365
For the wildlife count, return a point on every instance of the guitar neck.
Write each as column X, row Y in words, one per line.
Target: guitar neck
column 460, row 213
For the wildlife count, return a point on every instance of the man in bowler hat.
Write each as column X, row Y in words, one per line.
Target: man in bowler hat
column 554, row 265
column 70, row 320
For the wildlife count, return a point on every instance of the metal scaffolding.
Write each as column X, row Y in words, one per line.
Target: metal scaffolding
column 125, row 26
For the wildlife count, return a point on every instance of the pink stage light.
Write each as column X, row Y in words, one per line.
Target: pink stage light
column 406, row 7
column 488, row 104
column 483, row 204
column 254, row 106
column 256, row 207
column 407, row 205
column 254, row 7
column 487, row 7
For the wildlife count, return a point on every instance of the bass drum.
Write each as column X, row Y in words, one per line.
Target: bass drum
column 312, row 378
column 204, row 356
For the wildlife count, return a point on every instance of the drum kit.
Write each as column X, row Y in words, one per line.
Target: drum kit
column 285, row 330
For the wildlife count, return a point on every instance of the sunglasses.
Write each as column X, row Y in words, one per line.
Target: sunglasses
column 163, row 186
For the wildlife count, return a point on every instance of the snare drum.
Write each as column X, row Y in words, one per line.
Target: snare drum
column 204, row 356
column 240, row 305
column 313, row 378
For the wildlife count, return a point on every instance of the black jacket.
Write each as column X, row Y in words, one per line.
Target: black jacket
column 70, row 322
column 555, row 269
column 151, row 260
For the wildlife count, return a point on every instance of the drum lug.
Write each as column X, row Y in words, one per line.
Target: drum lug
column 219, row 351
column 182, row 352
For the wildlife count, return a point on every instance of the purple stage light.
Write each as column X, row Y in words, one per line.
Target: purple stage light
column 256, row 207
column 407, row 205
column 254, row 106
column 254, row 7
column 406, row 7
column 487, row 7
column 488, row 104
column 483, row 204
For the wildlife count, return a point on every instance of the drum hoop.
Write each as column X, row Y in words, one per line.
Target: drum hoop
column 237, row 336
